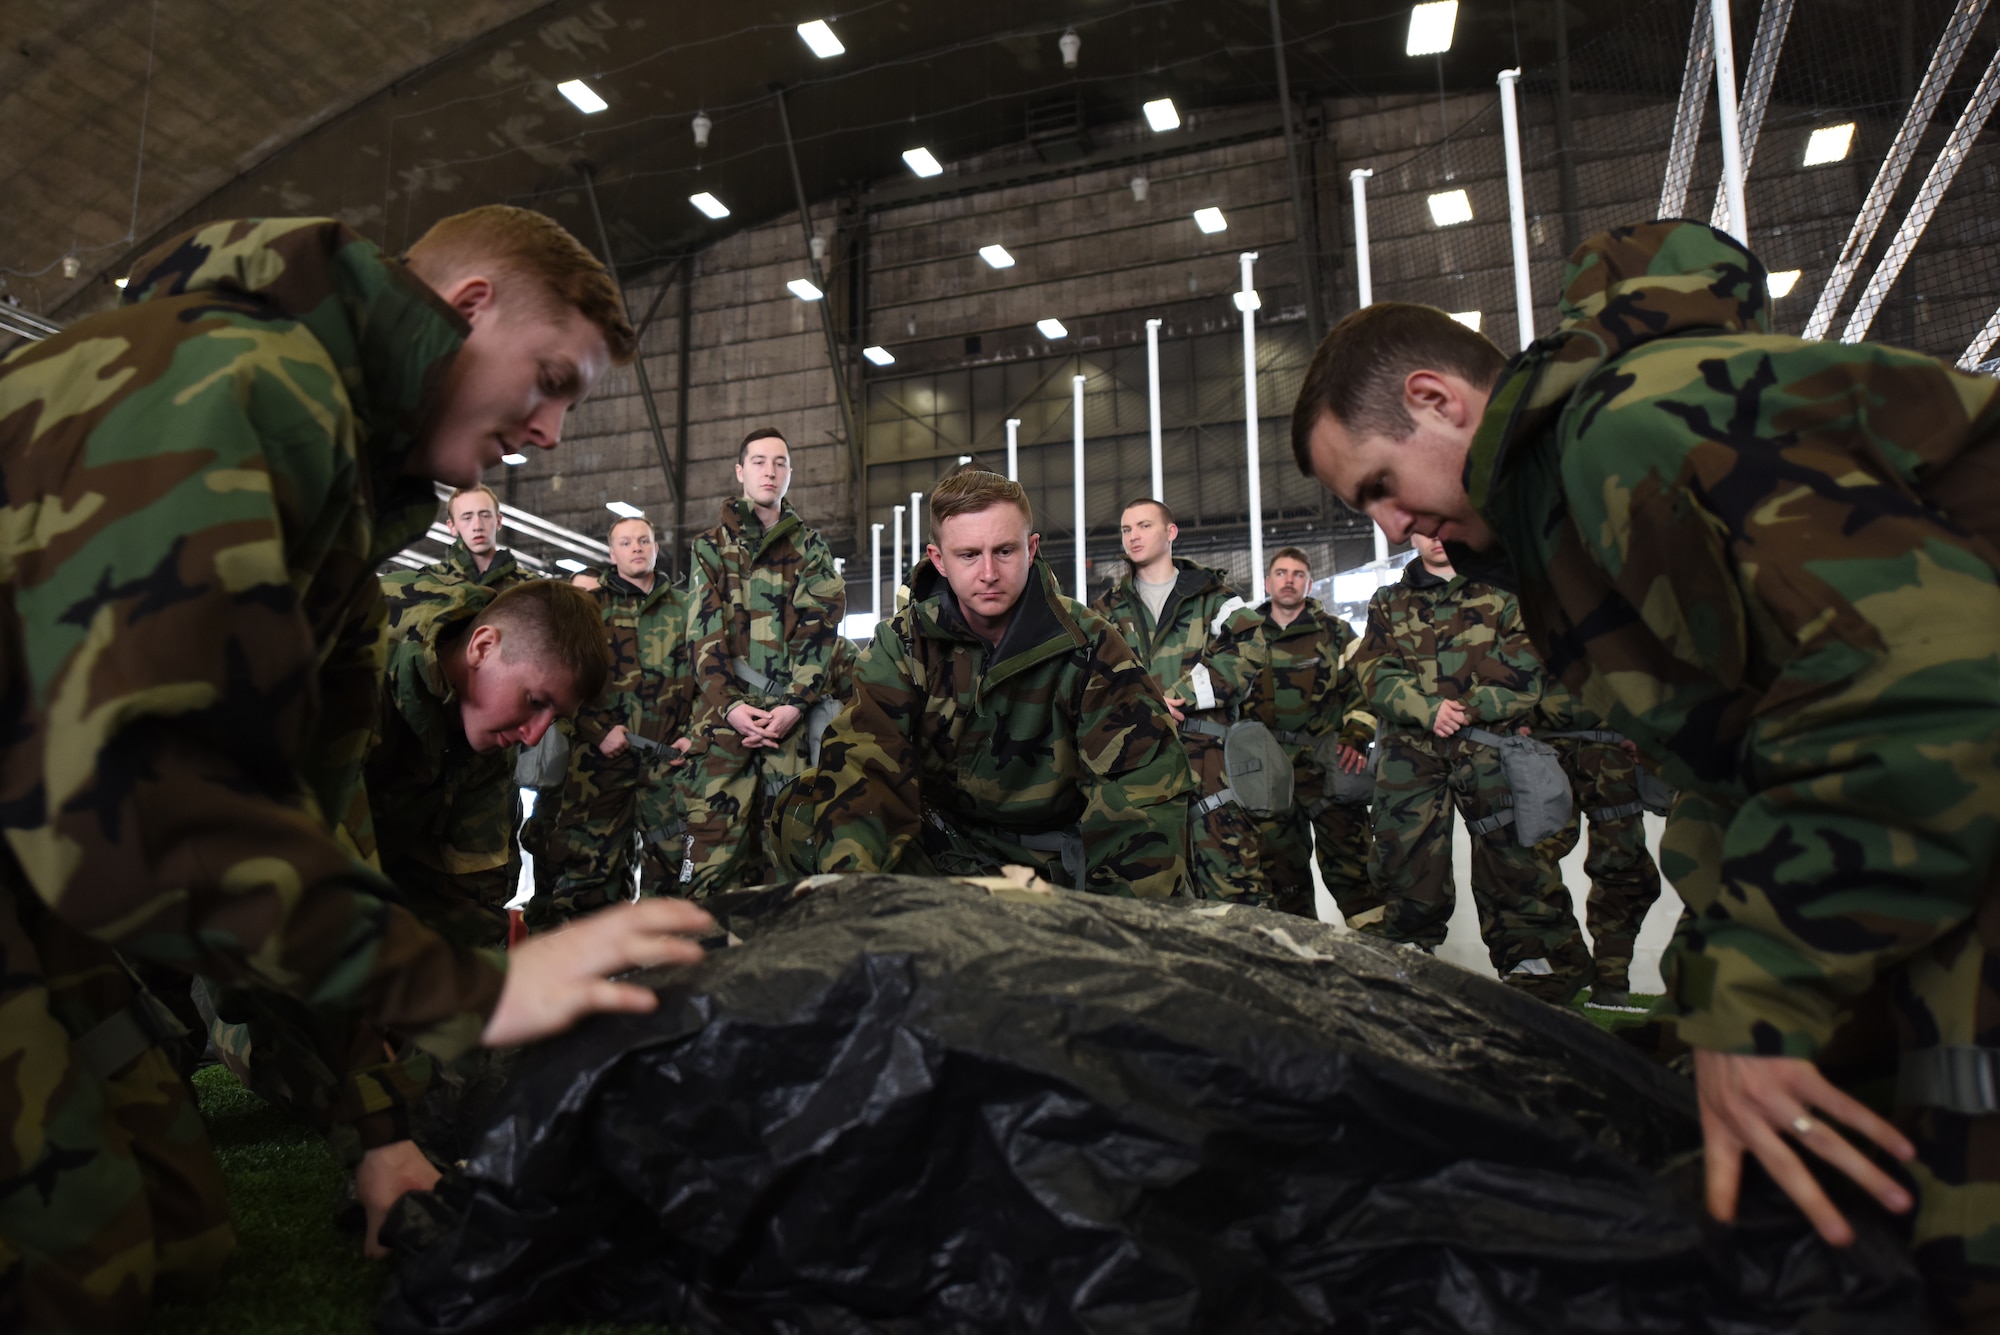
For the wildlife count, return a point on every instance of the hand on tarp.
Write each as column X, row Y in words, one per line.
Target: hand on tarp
column 384, row 1176
column 556, row 979
column 1765, row 1105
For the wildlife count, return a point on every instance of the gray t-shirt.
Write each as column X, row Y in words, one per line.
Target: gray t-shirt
column 1155, row 595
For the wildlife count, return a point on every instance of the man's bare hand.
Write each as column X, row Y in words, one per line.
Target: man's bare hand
column 782, row 720
column 557, row 978
column 385, row 1175
column 1174, row 703
column 752, row 724
column 1770, row 1106
column 1352, row 761
column 681, row 745
column 1451, row 716
column 614, row 741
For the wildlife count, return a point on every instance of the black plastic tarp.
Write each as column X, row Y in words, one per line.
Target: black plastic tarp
column 920, row 1106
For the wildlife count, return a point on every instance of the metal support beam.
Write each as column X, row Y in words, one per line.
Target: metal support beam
column 1687, row 116
column 1082, row 594
column 1517, row 205
column 681, row 545
column 1874, row 209
column 1572, row 213
column 1772, row 25
column 1159, row 491
column 1248, row 303
column 1732, row 130
column 1013, row 449
column 1982, row 343
column 1301, row 226
column 1364, row 278
column 639, row 357
column 1949, row 159
column 854, row 458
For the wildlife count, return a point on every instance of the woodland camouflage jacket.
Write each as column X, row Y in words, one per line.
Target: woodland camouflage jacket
column 1771, row 563
column 650, row 692
column 1191, row 634
column 1432, row 639
column 1057, row 725
column 199, row 488
column 1307, row 685
column 770, row 597
column 502, row 575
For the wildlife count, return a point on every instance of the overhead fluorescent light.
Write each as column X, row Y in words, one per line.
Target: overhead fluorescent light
column 996, row 256
column 709, row 204
column 879, row 355
column 1431, row 28
column 582, row 97
column 1449, row 207
column 922, row 162
column 513, row 460
column 571, row 564
column 1162, row 115
column 1782, row 282
column 1052, row 328
column 821, row 39
column 1209, row 220
column 1470, row 319
column 804, row 290
column 625, row 509
column 1249, row 301
column 120, row 282
column 1829, row 143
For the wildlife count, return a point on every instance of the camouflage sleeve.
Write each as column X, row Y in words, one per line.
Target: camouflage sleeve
column 1508, row 678
column 1234, row 656
column 1868, row 826
column 820, row 602
column 708, row 640
column 1389, row 686
column 1135, row 777
column 866, row 801
column 159, row 786
column 1357, row 725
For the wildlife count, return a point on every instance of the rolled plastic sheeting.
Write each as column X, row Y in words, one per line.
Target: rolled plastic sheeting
column 917, row 1105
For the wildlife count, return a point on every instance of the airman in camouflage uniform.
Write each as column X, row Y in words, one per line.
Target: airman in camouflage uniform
column 1442, row 654
column 619, row 809
column 199, row 488
column 764, row 611
column 1772, row 564
column 472, row 516
column 1205, row 669
column 1306, row 689
column 985, row 732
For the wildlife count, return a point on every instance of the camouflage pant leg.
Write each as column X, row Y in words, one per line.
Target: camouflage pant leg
column 110, row 1193
column 1624, row 881
column 728, row 794
column 1341, row 842
column 661, row 829
column 1223, row 860
column 1409, row 860
column 1284, row 847
column 590, row 853
column 1524, row 910
column 1956, row 1237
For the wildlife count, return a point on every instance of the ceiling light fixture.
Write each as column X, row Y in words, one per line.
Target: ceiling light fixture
column 996, row 256
column 513, row 460
column 1249, row 301
column 120, row 282
column 625, row 509
column 582, row 97
column 572, row 565
column 709, row 204
column 1140, row 185
column 922, row 162
column 1162, row 115
column 71, row 266
column 1210, row 220
column 1829, row 143
column 702, row 125
column 1070, row 44
column 1782, row 282
column 1052, row 328
column 804, row 290
column 1450, row 207
column 1470, row 319
column 1431, row 28
column 881, row 356
column 821, row 39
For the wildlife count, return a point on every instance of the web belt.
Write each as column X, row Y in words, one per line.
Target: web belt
column 1619, row 812
column 1587, row 735
column 1204, row 728
column 1039, row 841
column 1214, row 801
column 1487, row 824
column 751, row 677
column 1958, row 1079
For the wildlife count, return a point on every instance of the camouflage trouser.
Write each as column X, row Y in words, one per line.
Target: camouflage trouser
column 110, row 1193
column 1624, row 882
column 610, row 820
column 1336, row 833
column 1524, row 914
column 1224, row 861
column 728, row 792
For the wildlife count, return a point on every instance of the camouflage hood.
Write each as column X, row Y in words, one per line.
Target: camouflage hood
column 392, row 337
column 1623, row 288
column 739, row 518
column 504, row 570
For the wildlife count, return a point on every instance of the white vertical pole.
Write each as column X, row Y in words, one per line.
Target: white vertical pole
column 916, row 528
column 1517, row 204
column 1076, row 479
column 1249, row 303
column 1381, row 544
column 1013, row 449
column 1159, row 492
column 897, row 573
column 875, row 564
column 1364, row 280
column 1732, row 141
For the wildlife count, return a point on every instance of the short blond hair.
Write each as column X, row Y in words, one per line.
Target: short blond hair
column 525, row 244
column 967, row 490
column 452, row 499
